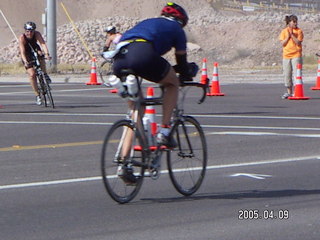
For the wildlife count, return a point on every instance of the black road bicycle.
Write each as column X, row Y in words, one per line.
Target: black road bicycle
column 42, row 81
column 123, row 174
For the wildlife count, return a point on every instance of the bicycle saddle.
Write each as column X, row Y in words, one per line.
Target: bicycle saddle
column 126, row 71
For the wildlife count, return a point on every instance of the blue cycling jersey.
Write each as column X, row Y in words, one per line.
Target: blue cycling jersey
column 162, row 32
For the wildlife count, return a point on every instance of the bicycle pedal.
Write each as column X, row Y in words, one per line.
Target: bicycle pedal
column 155, row 174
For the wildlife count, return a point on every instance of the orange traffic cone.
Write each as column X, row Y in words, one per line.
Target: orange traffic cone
column 93, row 77
column 204, row 75
column 150, row 112
column 215, row 88
column 317, row 86
column 149, row 122
column 298, row 88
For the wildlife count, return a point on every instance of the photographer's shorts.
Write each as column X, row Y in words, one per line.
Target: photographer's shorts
column 141, row 58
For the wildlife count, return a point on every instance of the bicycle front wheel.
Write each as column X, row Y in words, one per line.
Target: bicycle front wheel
column 187, row 163
column 49, row 95
column 105, row 71
column 42, row 89
column 45, row 91
column 122, row 151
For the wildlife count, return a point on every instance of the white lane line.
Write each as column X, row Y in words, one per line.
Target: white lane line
column 194, row 115
column 69, row 114
column 57, row 91
column 204, row 126
column 87, row 179
column 265, row 134
column 256, row 117
column 15, row 86
column 259, row 127
column 55, row 123
column 251, row 175
column 47, row 183
column 19, row 85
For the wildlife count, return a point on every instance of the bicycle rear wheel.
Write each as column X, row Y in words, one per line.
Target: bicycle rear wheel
column 113, row 161
column 187, row 163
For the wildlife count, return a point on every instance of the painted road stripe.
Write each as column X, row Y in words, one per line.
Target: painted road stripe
column 59, row 145
column 203, row 125
column 194, row 115
column 56, row 91
column 57, row 123
column 99, row 178
column 76, row 144
column 265, row 134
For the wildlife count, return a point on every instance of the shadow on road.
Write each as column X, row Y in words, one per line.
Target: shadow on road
column 239, row 195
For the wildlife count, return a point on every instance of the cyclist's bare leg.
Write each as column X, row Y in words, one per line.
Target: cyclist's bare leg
column 33, row 80
column 170, row 97
column 129, row 132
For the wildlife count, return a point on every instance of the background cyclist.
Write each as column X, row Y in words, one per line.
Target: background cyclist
column 113, row 37
column 148, row 41
column 33, row 37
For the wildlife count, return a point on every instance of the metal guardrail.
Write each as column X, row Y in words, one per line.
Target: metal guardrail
column 256, row 5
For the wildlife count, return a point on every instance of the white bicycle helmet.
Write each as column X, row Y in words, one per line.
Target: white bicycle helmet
column 110, row 29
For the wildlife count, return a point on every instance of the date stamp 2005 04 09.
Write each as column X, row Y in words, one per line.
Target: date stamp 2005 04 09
column 255, row 214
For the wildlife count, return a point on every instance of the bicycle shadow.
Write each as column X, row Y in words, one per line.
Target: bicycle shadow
column 237, row 195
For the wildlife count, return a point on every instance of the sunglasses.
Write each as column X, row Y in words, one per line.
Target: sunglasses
column 30, row 31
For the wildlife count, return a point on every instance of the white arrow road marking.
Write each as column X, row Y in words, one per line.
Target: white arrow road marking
column 251, row 175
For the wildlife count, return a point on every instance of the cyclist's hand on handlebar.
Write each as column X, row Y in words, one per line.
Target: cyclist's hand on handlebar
column 186, row 74
column 184, row 78
column 28, row 64
column 191, row 69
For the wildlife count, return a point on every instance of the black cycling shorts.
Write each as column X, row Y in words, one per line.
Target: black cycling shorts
column 143, row 60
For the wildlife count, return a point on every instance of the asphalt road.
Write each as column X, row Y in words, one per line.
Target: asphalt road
column 262, row 180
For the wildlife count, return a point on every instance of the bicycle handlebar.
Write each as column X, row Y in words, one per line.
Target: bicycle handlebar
column 196, row 84
column 159, row 100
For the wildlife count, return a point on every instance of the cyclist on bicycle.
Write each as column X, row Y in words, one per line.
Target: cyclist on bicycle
column 113, row 37
column 31, row 38
column 147, row 42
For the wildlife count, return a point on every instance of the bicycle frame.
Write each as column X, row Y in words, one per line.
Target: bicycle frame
column 135, row 115
column 153, row 153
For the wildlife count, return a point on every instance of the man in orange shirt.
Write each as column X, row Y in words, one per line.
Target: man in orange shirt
column 291, row 39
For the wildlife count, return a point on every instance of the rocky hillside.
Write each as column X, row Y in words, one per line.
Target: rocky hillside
column 237, row 39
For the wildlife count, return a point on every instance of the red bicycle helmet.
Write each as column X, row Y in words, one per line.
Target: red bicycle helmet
column 177, row 12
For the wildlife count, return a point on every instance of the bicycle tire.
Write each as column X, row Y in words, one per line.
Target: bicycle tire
column 42, row 89
column 187, row 163
column 105, row 70
column 116, row 187
column 48, row 93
